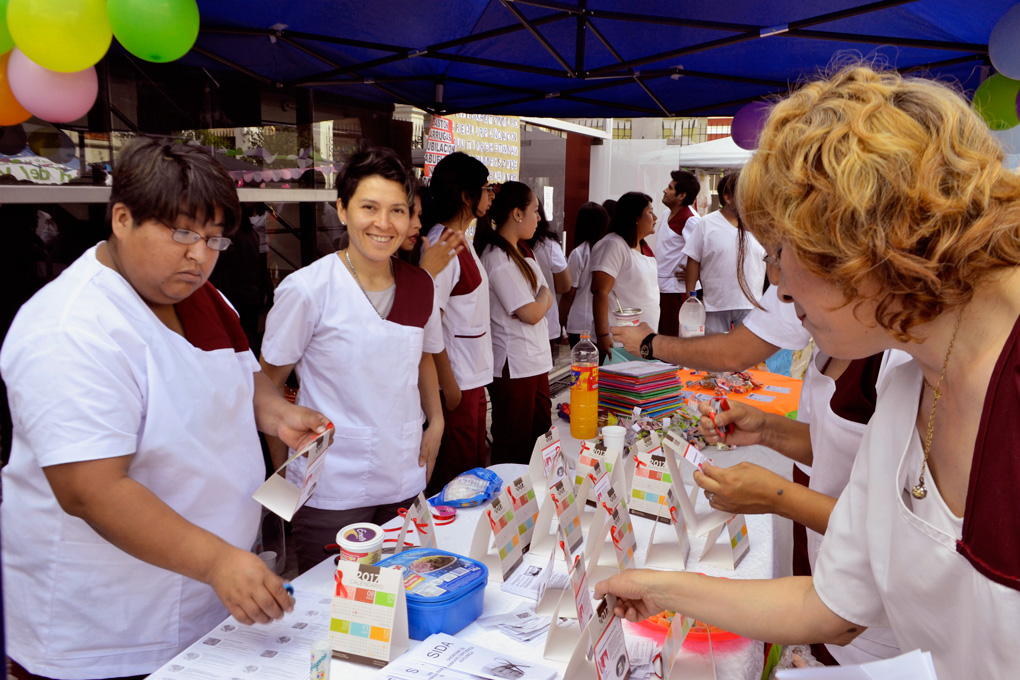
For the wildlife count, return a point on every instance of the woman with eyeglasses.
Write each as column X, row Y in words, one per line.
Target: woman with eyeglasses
column 360, row 328
column 127, row 514
column 895, row 223
column 461, row 195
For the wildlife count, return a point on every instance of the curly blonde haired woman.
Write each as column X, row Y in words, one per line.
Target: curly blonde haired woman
column 895, row 226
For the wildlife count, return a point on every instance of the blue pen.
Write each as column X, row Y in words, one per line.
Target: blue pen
column 289, row 588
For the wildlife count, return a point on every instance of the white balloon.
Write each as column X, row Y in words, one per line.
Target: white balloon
column 1004, row 44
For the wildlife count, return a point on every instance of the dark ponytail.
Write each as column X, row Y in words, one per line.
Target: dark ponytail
column 511, row 195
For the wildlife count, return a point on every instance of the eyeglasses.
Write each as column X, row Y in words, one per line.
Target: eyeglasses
column 490, row 188
column 188, row 237
column 773, row 260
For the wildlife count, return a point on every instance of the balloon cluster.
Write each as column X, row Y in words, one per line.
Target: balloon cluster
column 995, row 100
column 49, row 48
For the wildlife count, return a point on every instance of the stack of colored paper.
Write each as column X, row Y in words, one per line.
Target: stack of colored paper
column 652, row 385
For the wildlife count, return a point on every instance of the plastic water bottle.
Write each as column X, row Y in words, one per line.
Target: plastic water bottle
column 692, row 318
column 584, row 389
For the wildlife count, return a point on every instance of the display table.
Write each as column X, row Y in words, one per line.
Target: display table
column 739, row 659
column 736, row 659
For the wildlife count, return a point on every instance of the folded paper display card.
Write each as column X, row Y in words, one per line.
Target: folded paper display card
column 562, row 638
column 614, row 528
column 686, row 666
column 508, row 524
column 592, row 453
column 603, row 655
column 283, row 497
column 671, row 548
column 368, row 618
column 420, row 515
column 727, row 553
column 547, row 464
column 699, row 525
column 651, row 481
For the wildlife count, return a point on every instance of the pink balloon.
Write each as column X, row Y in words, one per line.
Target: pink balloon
column 285, row 173
column 249, row 176
column 748, row 124
column 51, row 95
column 257, row 176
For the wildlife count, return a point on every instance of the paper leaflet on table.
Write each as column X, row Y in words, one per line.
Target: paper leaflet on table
column 686, row 667
column 696, row 524
column 283, row 497
column 651, row 480
column 547, row 462
column 727, row 553
column 915, row 665
column 608, row 659
column 368, row 618
column 522, row 625
column 420, row 515
column 669, row 554
column 509, row 524
column 232, row 649
column 447, row 651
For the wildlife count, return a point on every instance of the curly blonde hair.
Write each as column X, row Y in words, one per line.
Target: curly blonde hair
column 872, row 177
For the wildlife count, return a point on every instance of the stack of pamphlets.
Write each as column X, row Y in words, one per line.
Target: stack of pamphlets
column 652, row 385
column 445, row 657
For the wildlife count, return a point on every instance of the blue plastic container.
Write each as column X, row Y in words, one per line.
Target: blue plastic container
column 444, row 591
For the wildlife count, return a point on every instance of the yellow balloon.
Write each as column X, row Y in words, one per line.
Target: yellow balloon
column 11, row 112
column 61, row 35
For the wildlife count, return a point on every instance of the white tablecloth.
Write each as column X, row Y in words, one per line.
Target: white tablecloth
column 735, row 660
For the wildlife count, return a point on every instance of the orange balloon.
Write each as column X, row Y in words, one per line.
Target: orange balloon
column 11, row 112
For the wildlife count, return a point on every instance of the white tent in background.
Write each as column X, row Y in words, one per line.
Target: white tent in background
column 719, row 153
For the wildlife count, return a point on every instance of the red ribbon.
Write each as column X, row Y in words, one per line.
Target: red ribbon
column 341, row 591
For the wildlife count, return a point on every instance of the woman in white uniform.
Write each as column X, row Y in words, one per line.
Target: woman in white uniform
column 549, row 255
column 895, row 224
column 726, row 260
column 461, row 194
column 836, row 403
column 623, row 271
column 359, row 327
column 575, row 305
column 518, row 302
column 127, row 513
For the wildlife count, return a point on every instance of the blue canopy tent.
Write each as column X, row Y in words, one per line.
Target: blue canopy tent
column 584, row 58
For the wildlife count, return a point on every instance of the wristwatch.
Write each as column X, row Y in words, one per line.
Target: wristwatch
column 646, row 346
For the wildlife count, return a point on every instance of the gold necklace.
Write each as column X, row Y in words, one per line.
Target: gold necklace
column 921, row 491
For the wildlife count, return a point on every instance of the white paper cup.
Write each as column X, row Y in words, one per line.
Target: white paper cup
column 269, row 558
column 361, row 542
column 614, row 436
column 627, row 317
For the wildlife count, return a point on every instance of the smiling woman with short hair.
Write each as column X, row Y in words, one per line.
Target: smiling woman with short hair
column 359, row 327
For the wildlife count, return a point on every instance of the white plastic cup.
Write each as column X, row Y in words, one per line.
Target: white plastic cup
column 269, row 559
column 627, row 317
column 614, row 436
column 361, row 542
column 322, row 653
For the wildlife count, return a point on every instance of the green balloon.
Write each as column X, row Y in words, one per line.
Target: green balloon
column 995, row 102
column 6, row 41
column 154, row 30
column 61, row 35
